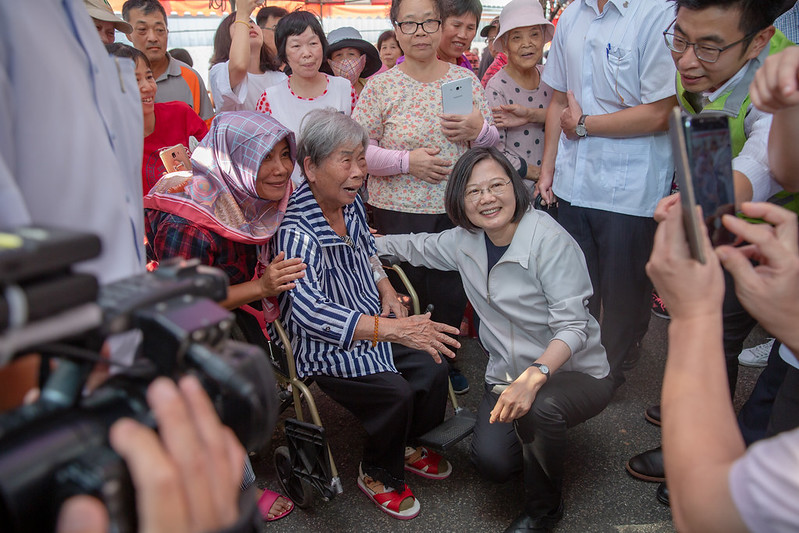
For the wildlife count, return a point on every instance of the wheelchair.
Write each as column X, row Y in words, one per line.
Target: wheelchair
column 305, row 464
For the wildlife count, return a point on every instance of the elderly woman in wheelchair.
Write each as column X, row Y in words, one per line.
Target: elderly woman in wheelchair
column 347, row 328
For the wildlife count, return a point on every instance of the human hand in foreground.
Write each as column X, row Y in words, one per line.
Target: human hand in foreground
column 510, row 116
column 776, row 83
column 770, row 289
column 280, row 273
column 424, row 165
column 421, row 333
column 390, row 303
column 516, row 400
column 689, row 288
column 462, row 128
column 186, row 477
column 664, row 205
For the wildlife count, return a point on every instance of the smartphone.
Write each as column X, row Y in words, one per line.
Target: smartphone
column 456, row 96
column 175, row 158
column 703, row 161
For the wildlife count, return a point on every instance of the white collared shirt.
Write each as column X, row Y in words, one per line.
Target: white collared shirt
column 612, row 61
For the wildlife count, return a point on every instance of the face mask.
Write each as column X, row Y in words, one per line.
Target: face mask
column 348, row 68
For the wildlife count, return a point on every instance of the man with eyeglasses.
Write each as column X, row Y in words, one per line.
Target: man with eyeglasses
column 717, row 46
column 607, row 154
column 176, row 80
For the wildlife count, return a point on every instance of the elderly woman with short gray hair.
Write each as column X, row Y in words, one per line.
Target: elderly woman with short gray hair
column 347, row 327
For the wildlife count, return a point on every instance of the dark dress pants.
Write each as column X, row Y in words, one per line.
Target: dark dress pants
column 616, row 248
column 393, row 408
column 536, row 442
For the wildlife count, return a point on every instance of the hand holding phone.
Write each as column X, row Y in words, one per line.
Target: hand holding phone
column 703, row 162
column 175, row 158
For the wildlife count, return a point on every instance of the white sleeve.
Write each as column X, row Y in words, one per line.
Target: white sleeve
column 226, row 98
column 13, row 211
column 752, row 162
column 764, row 483
column 431, row 250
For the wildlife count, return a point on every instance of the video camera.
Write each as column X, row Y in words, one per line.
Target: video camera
column 58, row 446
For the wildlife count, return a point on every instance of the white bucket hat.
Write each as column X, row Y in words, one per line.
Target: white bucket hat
column 519, row 14
column 102, row 10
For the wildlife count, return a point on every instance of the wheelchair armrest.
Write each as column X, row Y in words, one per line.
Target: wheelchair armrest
column 389, row 260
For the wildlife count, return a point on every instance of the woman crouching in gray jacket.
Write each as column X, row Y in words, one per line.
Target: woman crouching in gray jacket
column 527, row 281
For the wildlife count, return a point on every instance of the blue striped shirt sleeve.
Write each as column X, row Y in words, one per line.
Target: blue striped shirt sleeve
column 311, row 309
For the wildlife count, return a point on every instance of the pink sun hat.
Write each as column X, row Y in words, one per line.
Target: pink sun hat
column 519, row 14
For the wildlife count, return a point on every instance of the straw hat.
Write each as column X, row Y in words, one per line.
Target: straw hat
column 101, row 10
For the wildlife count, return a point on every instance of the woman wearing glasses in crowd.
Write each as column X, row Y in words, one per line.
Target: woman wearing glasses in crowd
column 527, row 280
column 413, row 144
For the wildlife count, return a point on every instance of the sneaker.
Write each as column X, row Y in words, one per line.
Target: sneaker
column 756, row 356
column 460, row 385
column 658, row 309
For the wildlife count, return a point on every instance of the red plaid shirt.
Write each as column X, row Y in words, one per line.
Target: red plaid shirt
column 173, row 236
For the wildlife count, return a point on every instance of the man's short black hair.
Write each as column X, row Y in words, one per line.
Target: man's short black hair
column 455, row 201
column 756, row 15
column 296, row 23
column 456, row 8
column 269, row 11
column 123, row 50
column 146, row 6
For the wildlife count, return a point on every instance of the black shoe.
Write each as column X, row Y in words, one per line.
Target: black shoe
column 460, row 385
column 652, row 415
column 663, row 494
column 525, row 523
column 648, row 466
column 631, row 360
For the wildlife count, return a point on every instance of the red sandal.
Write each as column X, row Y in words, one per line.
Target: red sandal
column 388, row 500
column 426, row 463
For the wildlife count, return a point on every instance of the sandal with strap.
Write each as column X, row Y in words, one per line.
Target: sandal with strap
column 426, row 463
column 389, row 500
column 267, row 500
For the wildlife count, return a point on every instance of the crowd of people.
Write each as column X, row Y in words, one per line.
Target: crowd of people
column 314, row 153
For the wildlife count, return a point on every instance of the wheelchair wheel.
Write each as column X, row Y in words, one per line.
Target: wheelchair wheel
column 296, row 488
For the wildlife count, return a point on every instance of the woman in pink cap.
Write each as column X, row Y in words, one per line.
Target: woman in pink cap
column 516, row 94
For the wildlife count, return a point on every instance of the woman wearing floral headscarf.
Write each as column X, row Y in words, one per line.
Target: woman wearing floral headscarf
column 224, row 212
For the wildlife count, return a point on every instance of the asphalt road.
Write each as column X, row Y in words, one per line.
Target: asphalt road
column 600, row 496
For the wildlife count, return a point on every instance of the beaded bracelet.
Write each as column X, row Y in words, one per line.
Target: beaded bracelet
column 374, row 339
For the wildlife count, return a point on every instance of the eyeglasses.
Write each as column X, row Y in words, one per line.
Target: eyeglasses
column 703, row 52
column 497, row 188
column 270, row 28
column 410, row 27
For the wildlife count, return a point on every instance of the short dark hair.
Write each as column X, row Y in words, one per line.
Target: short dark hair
column 223, row 41
column 385, row 36
column 181, row 54
column 456, row 8
column 123, row 50
column 395, row 6
column 269, row 11
column 147, row 7
column 756, row 15
column 295, row 23
column 455, row 202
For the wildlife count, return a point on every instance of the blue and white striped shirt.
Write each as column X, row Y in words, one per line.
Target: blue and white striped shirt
column 321, row 312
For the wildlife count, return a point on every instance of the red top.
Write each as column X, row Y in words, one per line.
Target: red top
column 175, row 122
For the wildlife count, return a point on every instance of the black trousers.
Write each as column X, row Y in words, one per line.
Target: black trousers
column 537, row 441
column 393, row 408
column 616, row 249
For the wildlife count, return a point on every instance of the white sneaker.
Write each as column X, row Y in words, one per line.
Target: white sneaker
column 756, row 356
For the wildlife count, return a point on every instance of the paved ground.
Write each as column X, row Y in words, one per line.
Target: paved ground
column 600, row 495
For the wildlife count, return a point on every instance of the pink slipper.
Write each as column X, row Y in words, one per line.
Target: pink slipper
column 267, row 500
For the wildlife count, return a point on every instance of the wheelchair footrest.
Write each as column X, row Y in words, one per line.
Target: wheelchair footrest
column 309, row 454
column 450, row 432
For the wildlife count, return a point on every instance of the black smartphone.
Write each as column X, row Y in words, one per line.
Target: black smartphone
column 703, row 161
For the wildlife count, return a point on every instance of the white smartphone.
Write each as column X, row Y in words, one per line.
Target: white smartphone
column 456, row 96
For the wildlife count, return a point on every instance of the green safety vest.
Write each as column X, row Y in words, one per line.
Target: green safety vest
column 735, row 103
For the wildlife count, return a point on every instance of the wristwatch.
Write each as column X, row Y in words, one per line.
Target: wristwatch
column 580, row 128
column 543, row 368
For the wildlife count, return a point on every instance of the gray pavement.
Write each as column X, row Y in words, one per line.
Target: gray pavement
column 600, row 496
